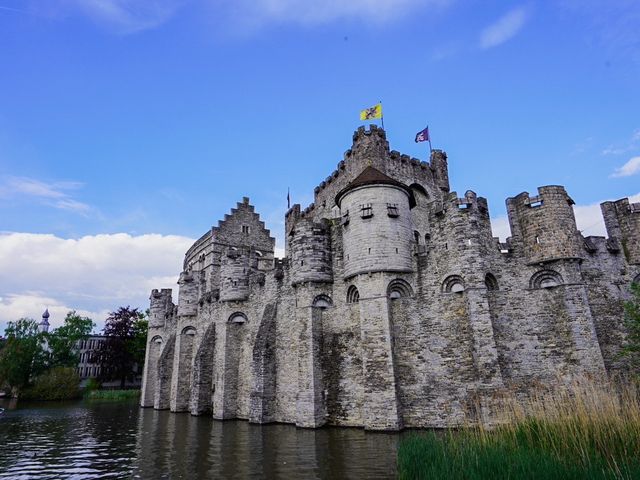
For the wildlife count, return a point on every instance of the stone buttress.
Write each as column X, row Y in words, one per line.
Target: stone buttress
column 394, row 306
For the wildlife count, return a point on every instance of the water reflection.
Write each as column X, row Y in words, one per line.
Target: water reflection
column 120, row 440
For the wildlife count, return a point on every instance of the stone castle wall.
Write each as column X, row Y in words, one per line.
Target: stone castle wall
column 414, row 316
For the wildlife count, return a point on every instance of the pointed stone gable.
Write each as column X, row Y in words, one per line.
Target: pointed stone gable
column 243, row 227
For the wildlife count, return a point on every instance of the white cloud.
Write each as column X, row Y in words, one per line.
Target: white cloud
column 91, row 274
column 505, row 28
column 630, row 168
column 632, row 144
column 119, row 16
column 588, row 218
column 32, row 305
column 312, row 12
column 54, row 194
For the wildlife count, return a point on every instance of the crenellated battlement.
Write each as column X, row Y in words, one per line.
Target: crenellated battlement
column 392, row 285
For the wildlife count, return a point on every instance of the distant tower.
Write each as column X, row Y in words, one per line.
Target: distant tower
column 43, row 326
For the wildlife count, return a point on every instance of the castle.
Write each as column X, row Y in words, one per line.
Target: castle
column 394, row 305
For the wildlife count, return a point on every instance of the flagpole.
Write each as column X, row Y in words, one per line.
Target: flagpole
column 430, row 149
column 381, row 114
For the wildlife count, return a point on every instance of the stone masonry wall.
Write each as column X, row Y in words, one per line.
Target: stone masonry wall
column 335, row 335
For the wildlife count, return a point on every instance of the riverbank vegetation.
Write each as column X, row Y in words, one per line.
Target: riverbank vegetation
column 57, row 383
column 41, row 365
column 30, row 356
column 590, row 429
column 112, row 394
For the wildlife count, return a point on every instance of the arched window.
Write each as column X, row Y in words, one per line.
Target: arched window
column 322, row 302
column 237, row 317
column 490, row 282
column 416, row 236
column 156, row 340
column 399, row 289
column 353, row 296
column 545, row 279
column 188, row 331
column 453, row 284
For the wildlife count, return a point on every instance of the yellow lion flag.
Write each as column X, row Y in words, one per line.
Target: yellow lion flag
column 371, row 113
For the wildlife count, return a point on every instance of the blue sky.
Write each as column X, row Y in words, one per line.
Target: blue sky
column 133, row 126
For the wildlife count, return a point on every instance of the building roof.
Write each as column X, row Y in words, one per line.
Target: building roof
column 373, row 176
column 45, row 315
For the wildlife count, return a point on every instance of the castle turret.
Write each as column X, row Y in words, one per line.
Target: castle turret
column 370, row 147
column 545, row 225
column 440, row 169
column 377, row 228
column 161, row 307
column 622, row 220
column 188, row 293
column 310, row 251
column 234, row 274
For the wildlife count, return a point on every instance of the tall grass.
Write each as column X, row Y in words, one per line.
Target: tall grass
column 112, row 394
column 588, row 429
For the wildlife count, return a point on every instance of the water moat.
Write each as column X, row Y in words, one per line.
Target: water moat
column 100, row 439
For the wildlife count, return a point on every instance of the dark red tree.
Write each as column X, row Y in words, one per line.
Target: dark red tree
column 121, row 354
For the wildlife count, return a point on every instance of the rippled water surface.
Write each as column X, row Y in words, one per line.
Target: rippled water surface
column 120, row 440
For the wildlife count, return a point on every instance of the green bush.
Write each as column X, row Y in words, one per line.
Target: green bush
column 58, row 383
column 91, row 385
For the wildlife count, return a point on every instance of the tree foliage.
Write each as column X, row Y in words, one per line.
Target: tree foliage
column 124, row 347
column 63, row 340
column 632, row 322
column 24, row 354
column 57, row 383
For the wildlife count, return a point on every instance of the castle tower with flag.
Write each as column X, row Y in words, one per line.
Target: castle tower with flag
column 394, row 305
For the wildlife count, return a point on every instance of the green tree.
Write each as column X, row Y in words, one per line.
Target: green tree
column 23, row 355
column 63, row 340
column 632, row 322
column 124, row 347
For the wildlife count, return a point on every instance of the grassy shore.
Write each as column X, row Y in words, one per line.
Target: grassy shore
column 587, row 430
column 112, row 394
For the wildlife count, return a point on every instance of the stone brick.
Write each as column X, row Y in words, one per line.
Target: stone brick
column 413, row 316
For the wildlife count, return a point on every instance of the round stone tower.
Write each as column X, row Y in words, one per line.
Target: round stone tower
column 310, row 250
column 545, row 224
column 234, row 274
column 377, row 229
